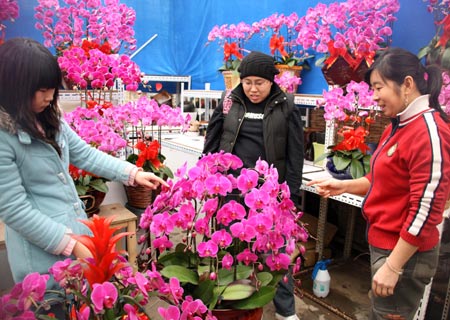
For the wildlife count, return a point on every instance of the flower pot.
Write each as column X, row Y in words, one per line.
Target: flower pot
column 341, row 73
column 140, row 197
column 231, row 314
column 338, row 174
column 231, row 79
column 92, row 201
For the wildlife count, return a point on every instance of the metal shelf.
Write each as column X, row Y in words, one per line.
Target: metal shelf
column 168, row 79
column 205, row 94
column 347, row 198
column 306, row 99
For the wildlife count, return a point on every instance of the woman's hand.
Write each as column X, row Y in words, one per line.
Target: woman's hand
column 81, row 251
column 149, row 180
column 328, row 187
column 384, row 281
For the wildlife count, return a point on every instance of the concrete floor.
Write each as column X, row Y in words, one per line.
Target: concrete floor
column 347, row 299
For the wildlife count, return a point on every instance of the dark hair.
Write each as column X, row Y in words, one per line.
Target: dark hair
column 26, row 66
column 395, row 64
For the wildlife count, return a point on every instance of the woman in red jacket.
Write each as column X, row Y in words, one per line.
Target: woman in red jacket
column 406, row 190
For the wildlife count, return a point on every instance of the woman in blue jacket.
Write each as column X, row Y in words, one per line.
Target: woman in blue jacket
column 39, row 203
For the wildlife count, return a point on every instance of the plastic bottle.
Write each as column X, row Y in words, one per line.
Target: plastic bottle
column 321, row 277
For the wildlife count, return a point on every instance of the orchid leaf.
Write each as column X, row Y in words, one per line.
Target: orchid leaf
column 265, row 278
column 228, row 276
column 259, row 299
column 238, row 291
column 205, row 291
column 181, row 273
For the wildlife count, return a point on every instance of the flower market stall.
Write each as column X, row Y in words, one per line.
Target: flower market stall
column 198, row 252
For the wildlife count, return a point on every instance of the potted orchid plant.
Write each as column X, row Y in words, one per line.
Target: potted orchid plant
column 67, row 23
column 231, row 39
column 87, row 37
column 234, row 246
column 353, row 111
column 104, row 287
column 348, row 34
column 283, row 44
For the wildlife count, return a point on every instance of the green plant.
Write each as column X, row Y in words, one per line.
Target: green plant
column 350, row 153
column 84, row 181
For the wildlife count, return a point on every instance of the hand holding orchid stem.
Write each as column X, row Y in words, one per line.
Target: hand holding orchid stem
column 235, row 245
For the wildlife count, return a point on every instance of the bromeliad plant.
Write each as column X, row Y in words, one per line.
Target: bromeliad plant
column 237, row 233
column 353, row 110
column 104, row 287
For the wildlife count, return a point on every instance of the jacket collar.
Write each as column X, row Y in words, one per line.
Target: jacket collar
column 416, row 108
column 9, row 125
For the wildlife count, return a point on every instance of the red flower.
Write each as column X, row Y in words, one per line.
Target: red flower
column 231, row 49
column 353, row 139
column 277, row 43
column 102, row 246
column 148, row 153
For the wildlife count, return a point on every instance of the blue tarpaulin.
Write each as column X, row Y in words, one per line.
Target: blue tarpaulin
column 182, row 27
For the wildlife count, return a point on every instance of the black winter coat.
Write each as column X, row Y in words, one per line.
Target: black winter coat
column 282, row 131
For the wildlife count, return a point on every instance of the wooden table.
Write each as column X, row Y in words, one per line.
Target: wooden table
column 125, row 219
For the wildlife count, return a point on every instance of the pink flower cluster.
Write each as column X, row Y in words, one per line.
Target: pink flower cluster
column 105, row 128
column 444, row 97
column 338, row 104
column 99, row 70
column 68, row 23
column 288, row 82
column 16, row 304
column 240, row 32
column 9, row 10
column 360, row 26
column 256, row 227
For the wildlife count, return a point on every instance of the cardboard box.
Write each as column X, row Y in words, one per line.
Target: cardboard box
column 309, row 258
column 310, row 223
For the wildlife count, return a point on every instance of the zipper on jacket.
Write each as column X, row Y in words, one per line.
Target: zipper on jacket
column 395, row 124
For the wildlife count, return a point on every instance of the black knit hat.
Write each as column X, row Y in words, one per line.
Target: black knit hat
column 258, row 64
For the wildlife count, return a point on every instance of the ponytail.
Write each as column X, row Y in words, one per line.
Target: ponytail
column 433, row 80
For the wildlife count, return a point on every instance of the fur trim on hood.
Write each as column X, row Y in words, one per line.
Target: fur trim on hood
column 6, row 122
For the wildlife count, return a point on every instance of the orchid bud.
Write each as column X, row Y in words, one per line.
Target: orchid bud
column 213, row 276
